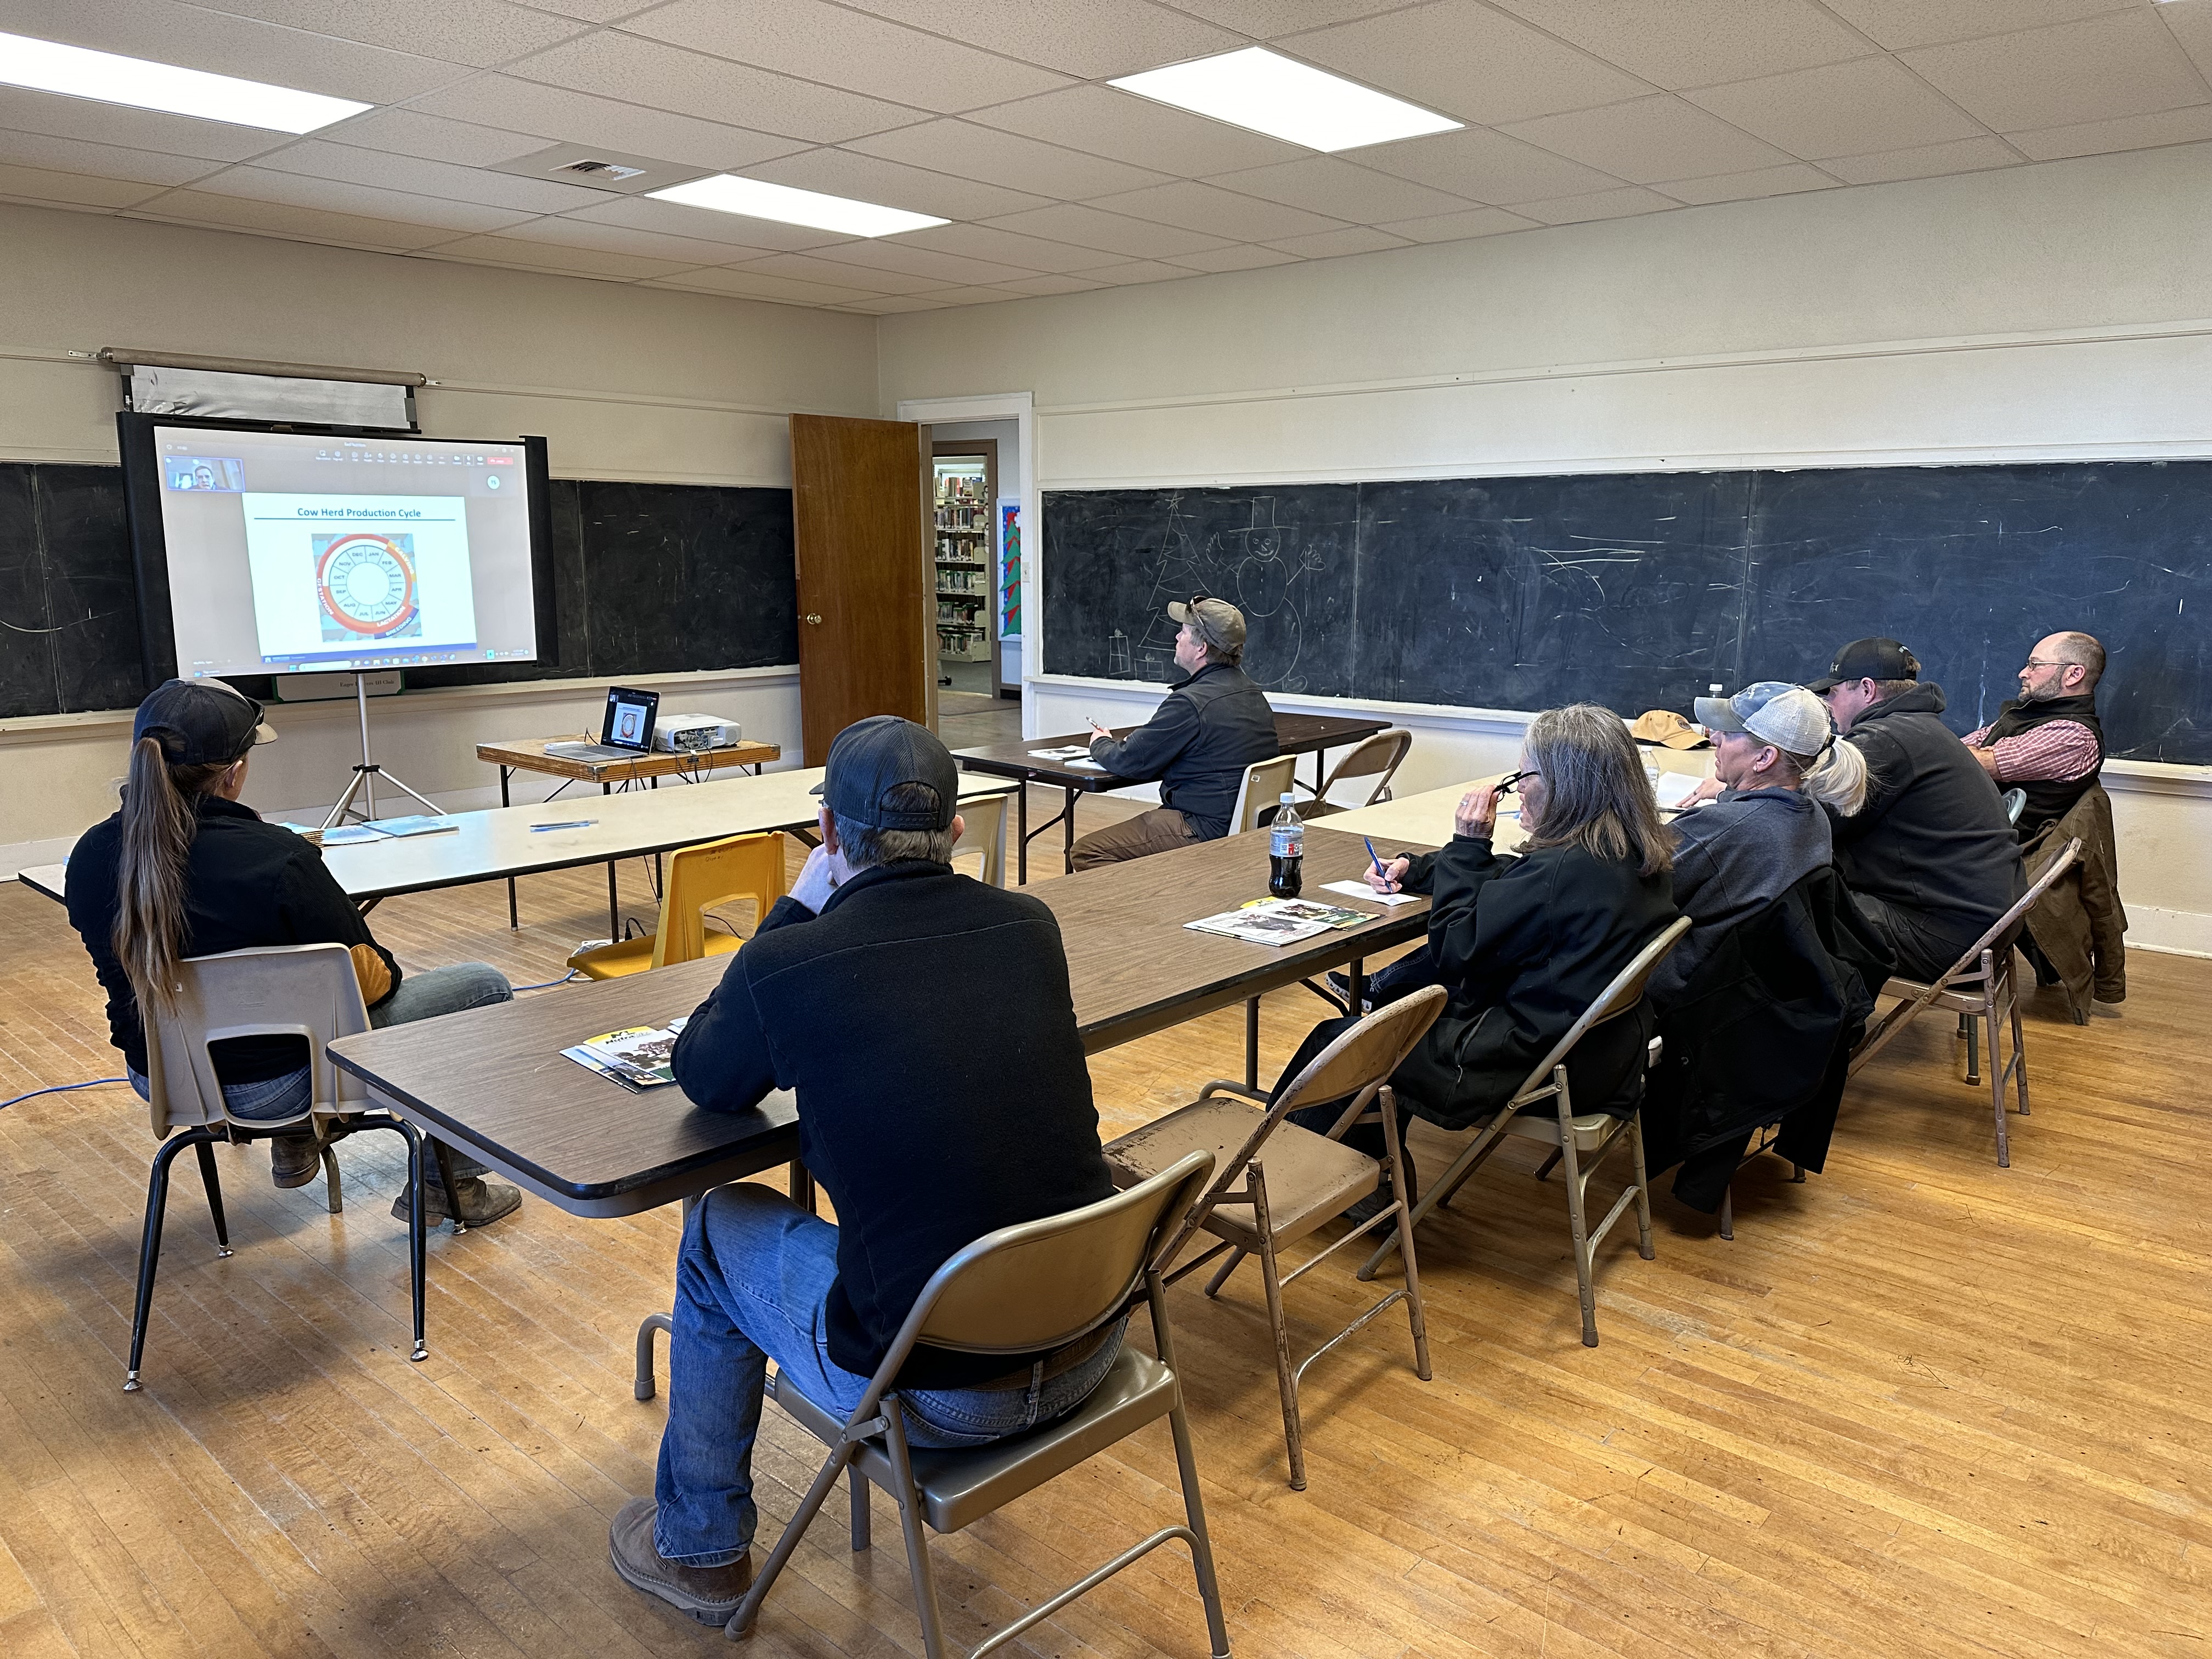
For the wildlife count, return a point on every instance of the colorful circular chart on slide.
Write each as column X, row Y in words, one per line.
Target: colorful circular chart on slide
column 367, row 582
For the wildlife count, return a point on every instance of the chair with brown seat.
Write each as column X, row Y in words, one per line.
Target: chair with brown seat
column 1293, row 1179
column 1377, row 757
column 304, row 991
column 1038, row 1285
column 699, row 878
column 1981, row 987
column 1580, row 1140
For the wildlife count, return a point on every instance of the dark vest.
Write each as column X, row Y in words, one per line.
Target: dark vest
column 2049, row 800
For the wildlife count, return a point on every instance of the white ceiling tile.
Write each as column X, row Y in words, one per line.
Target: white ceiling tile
column 2190, row 21
column 1137, row 270
column 1747, row 187
column 1092, row 38
column 362, row 201
column 987, row 242
column 893, row 305
column 1344, row 190
column 559, row 113
column 972, row 296
column 1333, row 244
column 1008, row 158
column 145, row 167
column 1923, row 162
column 1601, row 204
column 1459, row 226
column 1464, row 59
column 1107, row 121
column 816, row 268
column 171, row 33
column 77, row 189
column 2124, row 64
column 1264, row 19
column 1051, row 284
column 1875, row 103
column 481, row 33
column 896, row 253
column 134, row 129
column 641, row 71
column 548, row 256
column 1650, row 139
column 818, row 41
column 734, row 229
column 433, row 138
column 892, row 184
column 386, row 171
column 2172, row 126
column 569, row 232
column 759, row 285
column 1210, row 211
column 1486, row 167
column 1899, row 23
column 289, row 220
column 592, row 11
column 1695, row 43
column 1243, row 257
column 1110, row 233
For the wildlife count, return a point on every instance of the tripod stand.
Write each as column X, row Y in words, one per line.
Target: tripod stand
column 365, row 775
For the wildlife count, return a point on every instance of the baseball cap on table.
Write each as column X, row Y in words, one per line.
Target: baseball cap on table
column 1219, row 623
column 1868, row 659
column 1788, row 716
column 200, row 722
column 1664, row 726
column 871, row 757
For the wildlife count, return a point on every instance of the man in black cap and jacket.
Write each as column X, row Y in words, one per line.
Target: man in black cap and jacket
column 1930, row 859
column 924, row 1139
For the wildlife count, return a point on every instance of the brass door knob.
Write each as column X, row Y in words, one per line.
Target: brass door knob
column 810, row 617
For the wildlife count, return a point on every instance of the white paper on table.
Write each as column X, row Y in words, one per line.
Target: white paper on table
column 1070, row 751
column 1083, row 766
column 1673, row 788
column 1361, row 890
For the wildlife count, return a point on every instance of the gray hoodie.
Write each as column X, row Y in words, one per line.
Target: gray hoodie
column 1734, row 856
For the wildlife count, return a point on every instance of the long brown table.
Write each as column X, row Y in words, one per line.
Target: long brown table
column 1295, row 734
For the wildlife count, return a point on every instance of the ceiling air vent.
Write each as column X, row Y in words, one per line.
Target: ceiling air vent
column 601, row 169
column 608, row 172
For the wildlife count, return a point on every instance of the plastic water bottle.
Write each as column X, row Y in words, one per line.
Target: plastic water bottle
column 1286, row 853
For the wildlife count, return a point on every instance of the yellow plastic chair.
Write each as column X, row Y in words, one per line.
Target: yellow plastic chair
column 699, row 878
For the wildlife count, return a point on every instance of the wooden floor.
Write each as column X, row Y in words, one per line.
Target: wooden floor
column 1921, row 1406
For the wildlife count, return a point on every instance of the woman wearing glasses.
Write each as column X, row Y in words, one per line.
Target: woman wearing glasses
column 1526, row 943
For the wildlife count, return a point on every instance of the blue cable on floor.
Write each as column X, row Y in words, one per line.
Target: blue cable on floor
column 550, row 983
column 63, row 1088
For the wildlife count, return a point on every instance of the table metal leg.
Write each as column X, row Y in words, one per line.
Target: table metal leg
column 1067, row 833
column 1022, row 833
column 659, row 875
column 614, row 904
column 801, row 1186
column 1252, row 1043
column 513, row 920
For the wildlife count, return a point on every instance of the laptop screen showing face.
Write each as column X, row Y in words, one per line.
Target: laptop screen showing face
column 629, row 719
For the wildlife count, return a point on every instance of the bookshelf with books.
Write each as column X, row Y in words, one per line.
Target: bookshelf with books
column 963, row 499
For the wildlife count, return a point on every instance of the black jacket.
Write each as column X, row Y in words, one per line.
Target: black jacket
column 2049, row 799
column 1763, row 1033
column 1197, row 744
column 1525, row 945
column 1932, row 838
column 926, row 1022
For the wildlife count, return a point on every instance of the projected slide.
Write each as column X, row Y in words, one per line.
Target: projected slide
column 336, row 575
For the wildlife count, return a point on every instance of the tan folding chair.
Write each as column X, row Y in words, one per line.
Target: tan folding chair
column 307, row 991
column 1378, row 757
column 1581, row 1141
column 985, row 833
column 1038, row 1285
column 1981, row 987
column 1264, row 784
column 1303, row 1180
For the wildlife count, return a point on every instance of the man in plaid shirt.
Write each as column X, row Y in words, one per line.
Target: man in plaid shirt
column 2048, row 744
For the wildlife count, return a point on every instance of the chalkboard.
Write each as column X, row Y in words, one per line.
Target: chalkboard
column 1638, row 590
column 647, row 578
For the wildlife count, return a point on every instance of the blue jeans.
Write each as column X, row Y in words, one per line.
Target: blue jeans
column 751, row 1283
column 419, row 996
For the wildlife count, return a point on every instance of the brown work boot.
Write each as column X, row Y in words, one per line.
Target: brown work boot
column 481, row 1201
column 709, row 1595
column 294, row 1160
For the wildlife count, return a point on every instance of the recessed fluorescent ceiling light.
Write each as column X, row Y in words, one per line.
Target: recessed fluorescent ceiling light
column 726, row 193
column 79, row 72
column 1271, row 93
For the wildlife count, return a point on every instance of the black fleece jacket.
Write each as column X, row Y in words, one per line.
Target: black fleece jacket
column 924, row 1021
column 246, row 884
column 1199, row 741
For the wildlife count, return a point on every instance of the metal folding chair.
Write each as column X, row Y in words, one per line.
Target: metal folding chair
column 1377, row 757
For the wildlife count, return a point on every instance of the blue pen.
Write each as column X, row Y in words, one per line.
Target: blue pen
column 1374, row 857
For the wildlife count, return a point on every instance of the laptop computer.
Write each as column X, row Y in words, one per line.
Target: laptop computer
column 624, row 734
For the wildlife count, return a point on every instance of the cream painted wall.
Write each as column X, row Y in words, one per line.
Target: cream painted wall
column 2051, row 311
column 623, row 382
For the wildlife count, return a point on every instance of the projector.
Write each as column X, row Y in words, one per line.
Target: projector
column 683, row 734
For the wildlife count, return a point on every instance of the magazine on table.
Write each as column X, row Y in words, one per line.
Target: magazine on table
column 1278, row 921
column 638, row 1058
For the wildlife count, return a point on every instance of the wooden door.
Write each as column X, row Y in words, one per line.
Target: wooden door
column 867, row 635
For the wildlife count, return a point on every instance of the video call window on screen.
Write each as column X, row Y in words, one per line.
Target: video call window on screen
column 222, row 472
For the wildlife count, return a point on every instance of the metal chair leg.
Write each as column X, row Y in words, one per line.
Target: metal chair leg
column 417, row 1248
column 1286, row 1381
column 910, row 1523
column 741, row 1622
column 1221, row 1273
column 333, row 1188
column 1966, row 1029
column 1643, row 1189
column 213, row 1182
column 150, row 1245
column 1549, row 1164
column 863, row 1526
column 1202, row 1541
column 1417, row 1315
column 642, row 1385
column 1728, row 1213
column 1576, row 1221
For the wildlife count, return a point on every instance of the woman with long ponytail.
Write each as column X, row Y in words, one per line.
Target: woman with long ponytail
column 184, row 869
